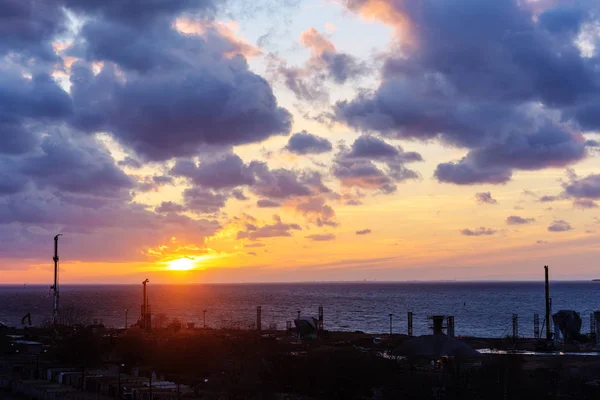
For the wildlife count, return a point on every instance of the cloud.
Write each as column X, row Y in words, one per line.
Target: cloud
column 560, row 226
column 253, row 245
column 584, row 204
column 266, row 203
column 325, row 64
column 489, row 95
column 355, row 166
column 516, row 220
column 203, row 201
column 549, row 198
column 226, row 172
column 282, row 183
column 277, row 229
column 144, row 108
column 316, row 211
column 588, row 187
column 321, row 238
column 485, row 198
column 541, row 242
column 363, row 232
column 169, row 207
column 303, row 143
column 478, row 232
column 130, row 162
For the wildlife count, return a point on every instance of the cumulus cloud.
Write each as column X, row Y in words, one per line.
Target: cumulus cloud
column 485, row 94
column 560, row 226
column 169, row 207
column 584, row 204
column 356, row 166
column 478, row 232
column 588, row 187
column 485, row 198
column 321, row 238
column 516, row 220
column 363, row 232
column 303, row 143
column 277, row 229
column 266, row 203
column 224, row 173
column 325, row 64
column 316, row 211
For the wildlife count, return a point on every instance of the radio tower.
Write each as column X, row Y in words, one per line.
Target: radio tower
column 55, row 286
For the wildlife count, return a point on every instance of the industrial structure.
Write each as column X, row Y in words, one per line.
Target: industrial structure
column 145, row 321
column 54, row 287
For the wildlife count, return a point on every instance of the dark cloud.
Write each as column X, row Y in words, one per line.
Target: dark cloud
column 355, row 166
column 363, row 232
column 549, row 198
column 27, row 27
column 321, row 238
column 170, row 207
column 266, row 203
column 494, row 163
column 484, row 94
column 560, row 226
column 516, row 220
column 584, row 204
column 144, row 109
column 373, row 148
column 588, row 187
column 478, row 232
column 226, row 172
column 283, row 183
column 306, row 143
column 485, row 198
column 277, row 229
column 203, row 201
column 81, row 166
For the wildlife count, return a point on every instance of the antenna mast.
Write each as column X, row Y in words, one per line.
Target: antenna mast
column 55, row 286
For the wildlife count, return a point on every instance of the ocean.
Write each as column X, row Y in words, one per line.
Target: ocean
column 482, row 309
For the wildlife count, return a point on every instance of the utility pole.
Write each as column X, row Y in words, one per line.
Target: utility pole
column 391, row 315
column 204, row 313
column 55, row 286
column 126, row 311
column 548, row 332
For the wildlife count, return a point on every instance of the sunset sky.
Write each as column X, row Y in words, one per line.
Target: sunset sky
column 299, row 140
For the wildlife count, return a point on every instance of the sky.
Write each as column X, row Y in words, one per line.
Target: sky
column 299, row 140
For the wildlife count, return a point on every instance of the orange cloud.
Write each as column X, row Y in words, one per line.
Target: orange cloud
column 227, row 30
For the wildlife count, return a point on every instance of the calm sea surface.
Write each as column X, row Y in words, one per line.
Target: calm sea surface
column 480, row 309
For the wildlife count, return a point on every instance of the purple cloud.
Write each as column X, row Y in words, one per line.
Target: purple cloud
column 303, row 143
column 516, row 220
column 560, row 226
column 266, row 203
column 485, row 198
column 277, row 229
column 321, row 238
column 478, row 232
column 363, row 232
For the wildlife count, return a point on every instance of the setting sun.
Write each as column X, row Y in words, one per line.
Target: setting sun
column 182, row 264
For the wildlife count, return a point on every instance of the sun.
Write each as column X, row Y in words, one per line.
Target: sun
column 182, row 264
